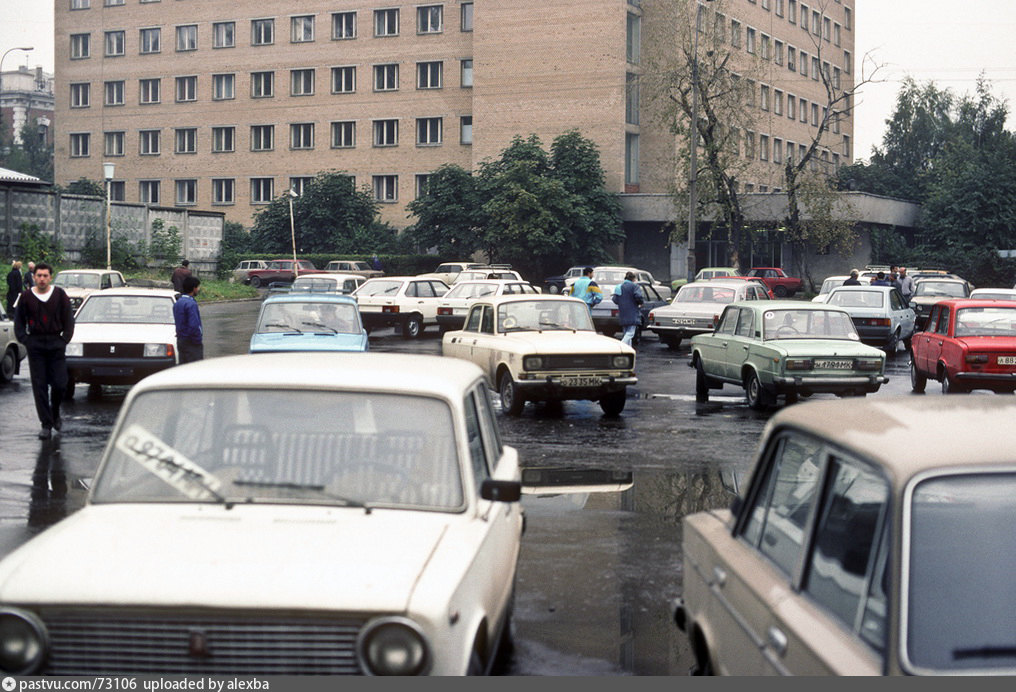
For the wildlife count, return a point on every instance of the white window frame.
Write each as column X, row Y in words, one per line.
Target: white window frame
column 344, row 79
column 145, row 190
column 386, row 188
column 386, row 77
column 343, row 134
column 79, row 144
column 343, row 26
column 113, row 93
column 429, row 132
column 466, row 129
column 113, row 143
column 149, row 142
column 466, row 16
column 81, row 46
column 223, row 191
column 385, row 132
column 262, row 32
column 301, row 28
column 150, row 40
column 224, row 35
column 262, row 137
column 114, row 43
column 466, row 73
column 223, row 87
column 185, row 140
column 428, row 72
column 186, row 38
column 386, row 22
column 258, row 81
column 262, row 190
column 301, row 81
column 186, row 191
column 301, row 136
column 81, row 95
column 186, row 89
column 223, row 139
column 429, row 19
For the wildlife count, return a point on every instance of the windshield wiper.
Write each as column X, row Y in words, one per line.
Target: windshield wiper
column 984, row 652
column 316, row 487
column 287, row 327
column 321, row 326
column 198, row 478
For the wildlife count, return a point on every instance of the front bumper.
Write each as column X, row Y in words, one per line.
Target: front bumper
column 557, row 387
column 115, row 370
column 812, row 384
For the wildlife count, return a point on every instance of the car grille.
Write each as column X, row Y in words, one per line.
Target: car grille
column 108, row 350
column 112, row 642
column 593, row 361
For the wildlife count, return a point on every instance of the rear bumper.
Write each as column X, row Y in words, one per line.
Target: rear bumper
column 115, row 370
column 451, row 321
column 828, row 385
column 1001, row 380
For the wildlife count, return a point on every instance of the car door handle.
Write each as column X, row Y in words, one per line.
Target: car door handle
column 777, row 640
column 721, row 575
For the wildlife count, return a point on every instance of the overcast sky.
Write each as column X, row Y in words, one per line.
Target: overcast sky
column 944, row 41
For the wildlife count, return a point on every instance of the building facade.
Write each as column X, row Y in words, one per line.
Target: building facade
column 226, row 105
column 26, row 97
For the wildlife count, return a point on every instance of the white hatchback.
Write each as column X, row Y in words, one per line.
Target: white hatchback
column 408, row 303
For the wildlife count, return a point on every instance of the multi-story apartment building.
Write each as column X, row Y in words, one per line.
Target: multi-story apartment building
column 26, row 98
column 226, row 105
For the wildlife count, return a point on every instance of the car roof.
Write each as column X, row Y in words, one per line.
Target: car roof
column 786, row 304
column 527, row 297
column 88, row 271
column 134, row 291
column 975, row 302
column 730, row 282
column 981, row 291
column 309, row 297
column 910, row 434
column 862, row 287
column 941, row 279
column 330, row 275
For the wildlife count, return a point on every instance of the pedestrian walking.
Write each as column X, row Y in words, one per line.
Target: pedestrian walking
column 179, row 274
column 586, row 289
column 30, row 275
column 629, row 300
column 44, row 323
column 15, row 285
column 375, row 263
column 189, row 342
column 906, row 286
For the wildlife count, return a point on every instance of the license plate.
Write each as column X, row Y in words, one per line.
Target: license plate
column 683, row 321
column 580, row 381
column 112, row 372
column 1007, row 360
column 835, row 364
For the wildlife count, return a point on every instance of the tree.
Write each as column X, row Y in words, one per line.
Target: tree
column 448, row 215
column 84, row 186
column 32, row 155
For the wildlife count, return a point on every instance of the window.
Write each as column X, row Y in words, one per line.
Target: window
column 343, row 134
column 792, row 11
column 779, row 8
column 114, row 43
column 802, row 63
column 386, row 77
column 836, row 78
column 187, row 37
column 804, row 17
column 827, row 30
column 749, row 40
column 297, row 184
column 848, row 62
column 631, row 99
column 223, row 34
column 428, row 75
column 148, row 191
column 151, row 40
column 814, row 67
column 79, row 144
column 467, row 16
column 466, row 79
column 816, row 27
column 262, row 32
column 429, row 19
column 790, row 152
column 262, row 137
column 81, row 95
column 386, row 22
column 262, row 190
column 113, row 143
column 750, row 87
column 113, row 93
column 791, row 107
column 422, row 179
column 262, row 84
column 735, row 33
column 80, row 4
column 80, row 46
column 223, row 191
column 778, row 52
column 466, row 129
column 223, row 139
column 386, row 133
column 719, row 27
column 836, row 33
column 186, row 139
column 778, row 102
column 302, row 29
column 223, row 87
column 763, row 147
column 301, row 136
column 186, row 191
column 343, row 25
column 814, row 114
column 633, row 50
column 429, row 131
column 112, row 3
column 764, row 98
column 802, row 106
column 801, row 151
column 301, row 82
column 186, row 89
column 749, row 144
column 791, row 58
column 765, row 46
column 846, row 146
column 631, row 158
column 386, row 188
column 777, row 151
column 848, row 18
column 343, row 80
column 149, row 143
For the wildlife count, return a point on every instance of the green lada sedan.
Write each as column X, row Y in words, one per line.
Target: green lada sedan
column 785, row 348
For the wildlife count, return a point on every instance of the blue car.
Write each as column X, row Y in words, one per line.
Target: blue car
column 308, row 322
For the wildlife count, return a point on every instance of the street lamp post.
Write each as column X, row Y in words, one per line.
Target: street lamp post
column 292, row 229
column 24, row 48
column 107, row 173
column 693, row 150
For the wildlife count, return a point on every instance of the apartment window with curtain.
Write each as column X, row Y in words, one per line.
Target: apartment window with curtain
column 262, row 190
column 467, row 16
column 149, row 192
column 386, row 133
column 631, row 101
column 149, row 91
column 302, row 29
column 386, row 188
column 81, row 95
column 223, row 87
column 114, row 44
column 631, row 158
column 429, row 19
column 150, row 40
column 386, row 77
column 634, row 39
column 301, row 136
column 223, row 190
column 343, row 134
column 429, row 131
column 466, row 129
column 466, row 79
column 113, row 93
column 262, row 137
column 186, row 140
column 344, row 79
column 223, row 139
column 113, row 144
column 149, row 143
column 343, row 25
column 422, row 181
column 80, row 46
column 224, row 35
column 386, row 22
column 301, row 82
column 186, row 191
column 262, row 32
column 187, row 37
column 79, row 144
column 186, row 89
column 262, row 84
column 429, row 75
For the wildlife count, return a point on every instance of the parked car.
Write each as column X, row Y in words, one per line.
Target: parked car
column 244, row 266
column 304, row 321
column 879, row 313
column 408, row 303
column 543, row 348
column 327, row 283
column 81, row 283
column 828, row 284
column 353, row 267
column 929, row 291
column 994, row 293
column 447, row 271
column 785, row 348
column 706, row 273
column 121, row 336
column 755, row 279
column 12, row 351
column 611, row 275
column 279, row 270
column 282, row 514
column 454, row 305
column 697, row 306
column 605, row 313
column 779, row 282
column 967, row 344
column 557, row 284
column 844, row 556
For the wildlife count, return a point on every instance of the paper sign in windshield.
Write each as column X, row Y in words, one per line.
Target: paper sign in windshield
column 168, row 464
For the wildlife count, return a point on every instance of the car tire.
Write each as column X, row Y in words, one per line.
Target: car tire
column 613, row 403
column 553, row 289
column 512, row 400
column 908, row 344
column 255, row 281
column 672, row 343
column 8, row 365
column 475, row 663
column 94, row 391
column 950, row 387
column 780, row 291
column 69, row 391
column 755, row 392
column 412, row 327
column 918, row 380
column 891, row 347
column 701, row 382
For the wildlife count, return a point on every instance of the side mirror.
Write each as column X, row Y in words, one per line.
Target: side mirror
column 501, row 491
column 735, row 506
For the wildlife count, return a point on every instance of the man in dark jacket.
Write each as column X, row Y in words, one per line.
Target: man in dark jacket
column 179, row 274
column 628, row 297
column 189, row 333
column 44, row 323
column 14, row 286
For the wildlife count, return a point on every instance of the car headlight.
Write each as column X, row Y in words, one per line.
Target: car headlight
column 75, row 350
column 532, row 363
column 393, row 646
column 158, row 350
column 621, row 362
column 23, row 642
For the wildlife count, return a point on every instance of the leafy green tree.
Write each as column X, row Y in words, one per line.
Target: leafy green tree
column 84, row 186
column 36, row 246
column 448, row 215
column 32, row 155
column 166, row 243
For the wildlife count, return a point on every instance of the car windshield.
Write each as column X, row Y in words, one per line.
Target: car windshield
column 691, row 293
column 940, row 288
column 76, row 280
column 958, row 585
column 310, row 317
column 379, row 288
column 283, row 446
column 857, row 299
column 470, row 290
column 469, row 275
column 543, row 315
column 991, row 321
column 989, row 295
column 316, row 285
column 830, row 284
column 807, row 324
column 608, row 277
column 101, row 308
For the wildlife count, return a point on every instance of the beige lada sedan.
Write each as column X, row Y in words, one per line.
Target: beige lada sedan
column 875, row 537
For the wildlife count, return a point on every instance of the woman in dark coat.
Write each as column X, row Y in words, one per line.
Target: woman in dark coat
column 14, row 288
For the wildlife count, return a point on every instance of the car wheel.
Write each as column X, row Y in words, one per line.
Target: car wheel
column 553, row 288
column 672, row 342
column 512, row 400
column 475, row 663
column 918, row 380
column 94, row 391
column 255, row 281
column 950, row 387
column 613, row 403
column 890, row 348
column 908, row 344
column 701, row 383
column 755, row 392
column 7, row 365
column 69, row 391
column 780, row 291
column 412, row 327
column 791, row 397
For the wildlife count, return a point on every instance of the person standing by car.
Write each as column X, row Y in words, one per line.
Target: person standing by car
column 628, row 298
column 906, row 286
column 14, row 285
column 586, row 290
column 179, row 274
column 44, row 323
column 30, row 275
column 189, row 337
column 853, row 281
column 880, row 280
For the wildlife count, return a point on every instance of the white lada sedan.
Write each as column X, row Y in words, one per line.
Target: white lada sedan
column 281, row 514
column 543, row 348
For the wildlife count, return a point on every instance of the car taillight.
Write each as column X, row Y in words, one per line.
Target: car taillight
column 613, row 313
column 881, row 322
column 976, row 358
column 652, row 317
column 444, row 311
column 863, row 364
column 799, row 364
column 389, row 308
column 716, row 321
